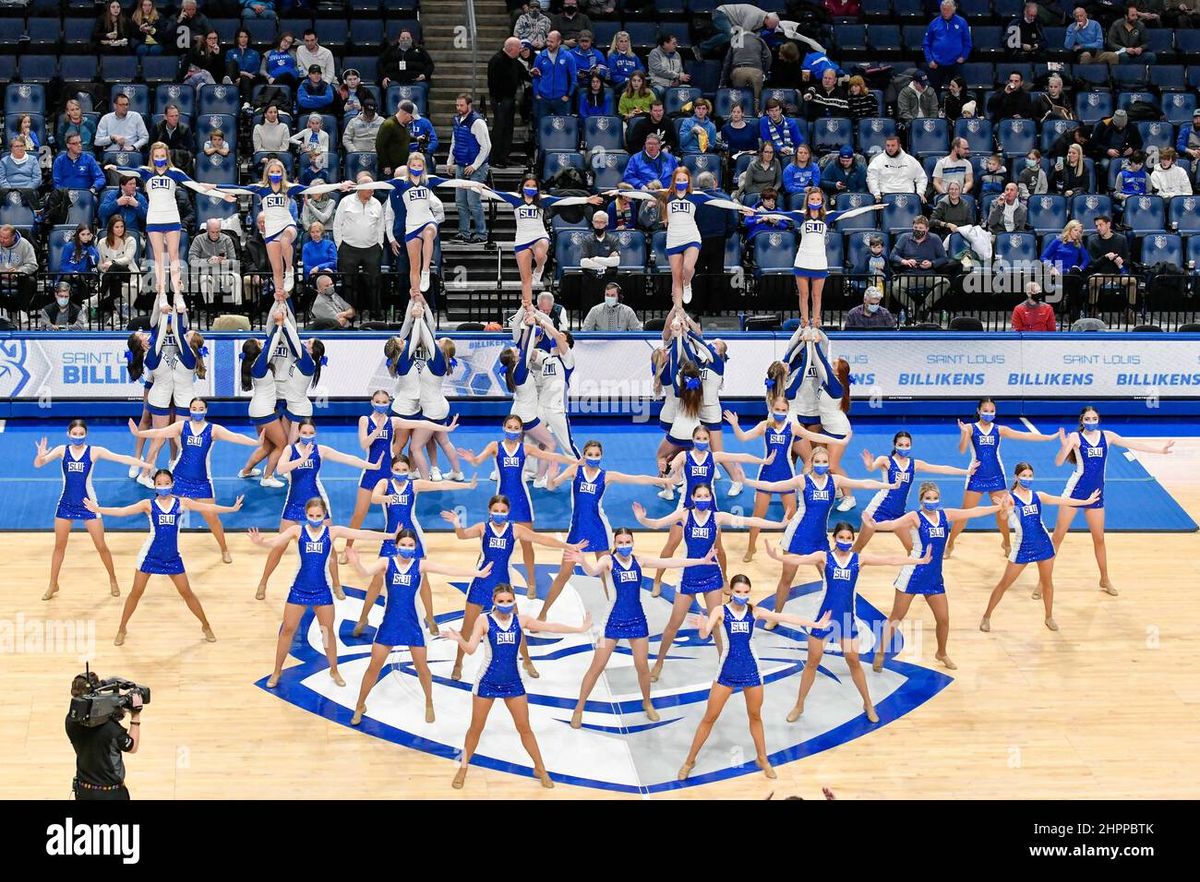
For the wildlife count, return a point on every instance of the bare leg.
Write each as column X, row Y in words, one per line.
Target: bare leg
column 970, row 500
column 292, row 613
column 525, row 267
column 717, row 697
column 1011, row 572
column 802, row 296
column 172, row 240
column 1001, row 523
column 420, row 437
column 442, row 440
column 817, row 285
column 278, row 438
column 679, row 609
column 426, row 592
column 95, row 529
column 362, row 505
column 379, row 654
column 135, row 594
column 565, row 572
column 480, row 708
column 712, row 600
column 218, row 531
column 373, row 592
column 782, row 589
column 1046, row 582
column 762, row 501
column 324, row 616
column 413, row 246
column 901, row 603
column 754, row 700
column 1095, row 522
column 674, row 537
column 541, row 251
column 604, row 651
column 519, row 708
column 940, row 605
column 273, row 558
column 736, row 473
column 159, row 247
column 159, row 422
column 530, row 564
column 472, row 612
column 859, row 676
column 1066, row 516
column 816, row 649
column 62, row 532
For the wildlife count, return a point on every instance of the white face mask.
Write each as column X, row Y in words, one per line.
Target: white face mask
column 62, row 302
column 872, row 307
column 610, row 299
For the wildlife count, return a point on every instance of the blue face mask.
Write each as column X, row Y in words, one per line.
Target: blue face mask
column 76, row 439
column 316, row 522
column 400, row 476
column 160, row 163
column 274, row 179
column 702, row 504
column 931, row 506
column 511, row 436
column 199, row 415
column 740, row 599
column 531, row 192
column 164, row 491
column 499, row 517
column 780, row 416
column 681, row 186
column 505, row 608
column 701, row 446
column 309, row 439
column 903, row 451
column 380, row 408
column 843, row 546
column 813, row 206
column 593, row 461
column 406, row 553
column 415, row 172
column 1025, row 482
column 987, row 417
column 1091, row 425
column 624, row 550
column 822, row 469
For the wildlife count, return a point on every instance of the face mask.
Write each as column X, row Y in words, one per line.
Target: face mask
column 308, row 439
column 903, row 451
column 1025, row 482
column 1091, row 425
column 812, row 206
column 680, row 186
column 599, row 232
column 779, row 415
column 872, row 307
column 930, row 506
column 624, row 550
column 529, row 191
column 164, row 491
column 593, row 461
column 511, row 436
column 740, row 599
column 499, row 517
column 160, row 163
column 415, row 172
column 1031, row 163
column 199, row 415
column 822, row 469
column 406, row 44
column 843, row 546
column 918, row 235
column 504, row 608
column 702, row 504
column 379, row 408
column 610, row 299
column 274, row 179
column 702, row 446
column 400, row 476
column 76, row 439
column 987, row 417
column 315, row 522
column 406, row 553
column 63, row 302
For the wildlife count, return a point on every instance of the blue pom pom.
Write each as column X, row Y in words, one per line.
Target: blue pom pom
column 324, row 360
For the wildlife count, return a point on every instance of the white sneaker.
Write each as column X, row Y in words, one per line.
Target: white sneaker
column 540, row 483
column 253, row 473
column 687, row 293
column 435, row 474
column 735, row 489
column 146, row 481
column 289, row 281
column 134, row 471
column 848, row 502
column 494, row 476
column 536, row 279
column 424, row 282
column 456, row 476
column 667, row 493
column 271, row 481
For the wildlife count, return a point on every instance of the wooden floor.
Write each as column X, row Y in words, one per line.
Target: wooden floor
column 1108, row 707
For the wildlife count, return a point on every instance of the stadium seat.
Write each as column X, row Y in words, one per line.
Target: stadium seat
column 557, row 132
column 677, row 96
column 77, row 34
column 726, row 98
column 1162, row 248
column 835, row 252
column 865, row 221
column 975, row 9
column 366, row 65
column 912, row 10
column 1129, row 76
column 216, row 169
column 733, row 254
column 182, row 96
column 604, row 132
column 42, row 35
column 218, row 99
column 885, row 38
column 25, row 98
column 118, row 68
column 977, row 131
column 1187, row 41
column 15, row 212
column 1160, row 41
column 122, row 158
column 642, row 33
column 361, row 162
column 38, row 68
column 262, row 32
column 742, row 163
column 850, row 37
column 12, row 120
column 1178, row 107
column 138, row 95
column 417, row 93
column 1052, row 129
column 556, row 161
column 912, row 35
column 1183, row 214
column 1017, row 136
column 364, row 35
column 82, row 207
column 1168, row 77
column 631, row 245
column 207, row 123
column 56, row 243
column 876, row 10
column 1157, row 134
column 1193, row 251
column 858, row 243
column 289, row 162
column 979, row 74
column 78, row 68
column 829, row 134
column 226, row 29
column 159, row 69
column 899, row 211
column 1016, row 248
column 658, row 247
column 787, row 96
column 774, row 253
column 568, row 250
column 1047, row 213
column 928, row 136
column 1093, row 106
column 1086, row 207
column 1144, row 214
column 873, row 131
column 697, row 163
column 1093, row 74
column 608, row 168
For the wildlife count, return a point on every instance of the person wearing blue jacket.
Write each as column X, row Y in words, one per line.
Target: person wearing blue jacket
column 815, row 64
column 594, row 100
column 279, row 64
column 622, row 61
column 318, row 253
column 691, row 130
column 947, row 44
column 314, row 95
column 75, row 170
column 803, row 173
column 844, row 174
column 782, row 131
column 554, row 76
column 588, row 60
column 129, row 202
column 651, row 169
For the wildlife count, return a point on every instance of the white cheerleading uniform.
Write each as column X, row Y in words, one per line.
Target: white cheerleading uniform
column 263, row 389
column 525, row 395
column 531, row 216
column 682, row 231
column 433, row 371
column 276, row 208
column 810, row 252
column 802, row 384
column 162, row 212
column 294, row 387
column 166, row 341
column 552, row 399
column 418, row 204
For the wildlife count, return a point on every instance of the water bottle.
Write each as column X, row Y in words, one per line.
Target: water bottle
column 945, row 318
column 903, row 318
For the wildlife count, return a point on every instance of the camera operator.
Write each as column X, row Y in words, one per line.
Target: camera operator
column 99, row 767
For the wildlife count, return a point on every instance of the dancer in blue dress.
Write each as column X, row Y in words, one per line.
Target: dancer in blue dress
column 398, row 496
column 78, row 461
column 160, row 555
column 502, row 631
column 508, row 458
column 983, row 438
column 301, row 463
column 312, row 585
column 589, row 524
column 193, row 476
column 921, row 531
column 1088, row 448
column 1034, row 544
column 738, row 668
column 626, row 619
column 404, row 571
column 839, row 568
column 701, row 532
column 498, row 537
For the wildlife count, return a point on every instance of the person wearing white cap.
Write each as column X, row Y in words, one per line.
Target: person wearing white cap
column 871, row 313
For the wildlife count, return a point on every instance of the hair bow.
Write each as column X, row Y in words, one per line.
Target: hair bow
column 324, row 360
column 769, row 383
column 203, row 350
column 453, row 363
column 129, row 356
column 691, row 383
column 241, row 356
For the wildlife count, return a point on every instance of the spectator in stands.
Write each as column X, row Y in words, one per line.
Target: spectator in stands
column 919, row 261
column 1085, row 40
column 917, row 99
column 318, row 253
column 358, row 230
column 894, row 171
column 173, row 132
column 1054, row 103
column 1066, row 258
column 1080, row 136
column 1114, row 138
column 746, row 64
column 802, row 172
column 734, row 17
column 1182, row 13
column 651, row 168
column 1011, row 102
column 844, row 174
column 655, row 123
column 422, row 135
column 329, row 312
column 951, row 211
column 1033, row 315
column 594, row 100
column 405, row 62
column 75, row 170
column 827, row 99
column 873, row 263
column 622, row 61
column 992, row 180
column 1071, row 175
column 533, row 26
column 1127, row 39
column 313, row 168
column 783, row 132
column 314, row 93
column 362, row 129
column 1108, row 258
column 256, row 264
column 117, row 265
column 188, row 26
column 505, row 77
column 611, row 314
column 349, row 94
column 698, row 134
column 666, row 65
column 61, row 314
column 765, row 171
column 1169, row 179
column 955, row 166
column 146, row 23
column 18, row 266
column 870, row 315
column 113, row 29
column 589, row 61
column 212, row 259
column 637, row 98
column 768, row 200
column 318, row 208
column 279, row 64
column 243, row 62
column 122, row 129
column 470, row 147
column 553, row 75
column 1007, row 214
column 814, row 65
column 206, row 64
column 738, row 136
column 863, row 104
column 80, row 259
column 272, row 134
column 1188, row 142
column 393, row 143
column 216, row 145
column 73, row 120
column 570, row 23
column 27, row 133
column 20, row 172
column 1032, row 180
column 1024, row 39
column 1132, row 179
column 785, row 73
column 599, row 258
column 716, row 227
column 260, row 9
column 311, row 52
column 947, row 44
column 312, row 139
column 623, row 213
column 959, row 102
column 126, row 202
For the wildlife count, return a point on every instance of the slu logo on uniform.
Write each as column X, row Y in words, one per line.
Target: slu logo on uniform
column 617, row 748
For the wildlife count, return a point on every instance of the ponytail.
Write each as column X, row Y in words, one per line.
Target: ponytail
column 251, row 349
column 776, row 379
column 318, row 355
column 841, row 370
column 391, row 351
column 197, row 344
column 509, row 358
column 135, row 356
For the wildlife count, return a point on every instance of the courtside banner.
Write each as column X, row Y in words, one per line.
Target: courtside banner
column 615, row 368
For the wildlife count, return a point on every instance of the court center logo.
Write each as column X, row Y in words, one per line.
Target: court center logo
column 617, row 748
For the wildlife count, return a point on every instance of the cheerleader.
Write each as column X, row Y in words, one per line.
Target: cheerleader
column 498, row 536
column 738, row 668
column 279, row 232
column 160, row 555
column 626, row 619
column 557, row 368
column 923, row 532
column 589, row 524
column 311, row 585
column 137, row 350
column 889, row 505
column 193, row 478
column 303, row 374
column 259, row 378
column 509, row 456
column 420, row 225
column 397, row 494
column 405, row 569
column 811, row 266
column 779, row 431
column 522, row 366
column 1087, row 448
column 376, row 432
column 701, row 526
column 983, row 437
column 301, row 462
column 839, row 595
column 663, row 385
column 816, row 491
column 438, row 363
column 832, row 384
column 1033, row 542
column 531, row 245
column 78, row 460
column 502, row 631
column 162, row 217
column 400, row 354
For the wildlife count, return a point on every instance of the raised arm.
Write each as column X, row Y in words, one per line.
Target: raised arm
column 639, row 512
column 468, row 646
column 775, row 486
column 1068, row 501
column 220, row 433
column 451, row 517
column 529, row 623
column 280, row 539
column 863, row 483
column 1017, row 434
column 964, row 436
column 368, row 571
column 139, row 507
column 174, row 430
column 401, row 423
column 1070, row 443
column 105, row 453
column 967, row 514
column 45, row 454
column 1140, row 446
column 603, row 563
column 428, row 566
column 346, row 459
column 526, row 535
column 475, row 459
column 908, row 519
column 538, row 453
column 337, row 532
column 422, row 485
column 566, row 474
column 818, row 437
column 724, row 456
column 920, row 465
column 739, row 522
column 789, row 619
column 655, row 480
column 817, row 558
column 705, row 624
column 675, row 563
column 211, row 507
column 757, row 432
column 894, row 560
